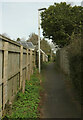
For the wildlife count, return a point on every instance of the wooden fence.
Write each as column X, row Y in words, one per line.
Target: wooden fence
column 62, row 60
column 16, row 66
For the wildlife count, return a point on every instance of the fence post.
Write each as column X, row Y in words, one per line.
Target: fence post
column 43, row 57
column 5, row 74
column 23, row 86
column 27, row 66
column 21, row 64
column 31, row 70
column 1, row 83
column 34, row 58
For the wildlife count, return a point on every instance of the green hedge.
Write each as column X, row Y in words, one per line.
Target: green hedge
column 75, row 71
column 75, row 63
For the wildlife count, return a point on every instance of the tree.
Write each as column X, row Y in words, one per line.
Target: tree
column 5, row 35
column 18, row 39
column 44, row 44
column 33, row 38
column 59, row 21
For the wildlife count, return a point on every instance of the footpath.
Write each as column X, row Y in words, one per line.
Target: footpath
column 59, row 97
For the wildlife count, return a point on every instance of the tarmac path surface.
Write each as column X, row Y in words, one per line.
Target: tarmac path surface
column 60, row 101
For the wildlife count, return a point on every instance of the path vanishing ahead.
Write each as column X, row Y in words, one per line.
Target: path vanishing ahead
column 60, row 101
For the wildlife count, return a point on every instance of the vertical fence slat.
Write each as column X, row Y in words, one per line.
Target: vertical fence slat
column 31, row 71
column 34, row 59
column 0, row 84
column 27, row 66
column 21, row 64
column 5, row 73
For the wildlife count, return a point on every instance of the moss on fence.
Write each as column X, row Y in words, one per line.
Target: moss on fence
column 26, row 105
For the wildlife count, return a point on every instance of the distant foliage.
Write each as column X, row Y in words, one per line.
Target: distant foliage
column 33, row 38
column 18, row 39
column 44, row 44
column 5, row 35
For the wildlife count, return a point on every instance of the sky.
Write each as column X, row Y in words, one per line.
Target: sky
column 20, row 18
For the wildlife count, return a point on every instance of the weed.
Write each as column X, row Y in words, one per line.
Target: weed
column 26, row 105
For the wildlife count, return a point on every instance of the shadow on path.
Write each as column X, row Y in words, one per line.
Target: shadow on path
column 58, row 102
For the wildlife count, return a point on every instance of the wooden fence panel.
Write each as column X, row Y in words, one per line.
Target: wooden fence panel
column 13, row 63
column 24, row 59
column 10, row 89
column 16, row 66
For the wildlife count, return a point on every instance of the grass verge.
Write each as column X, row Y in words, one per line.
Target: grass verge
column 26, row 105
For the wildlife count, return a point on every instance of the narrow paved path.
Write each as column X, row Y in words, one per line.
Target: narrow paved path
column 59, row 102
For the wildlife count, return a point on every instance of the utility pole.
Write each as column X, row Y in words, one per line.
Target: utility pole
column 39, row 37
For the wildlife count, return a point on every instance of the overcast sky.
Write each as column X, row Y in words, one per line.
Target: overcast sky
column 20, row 18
